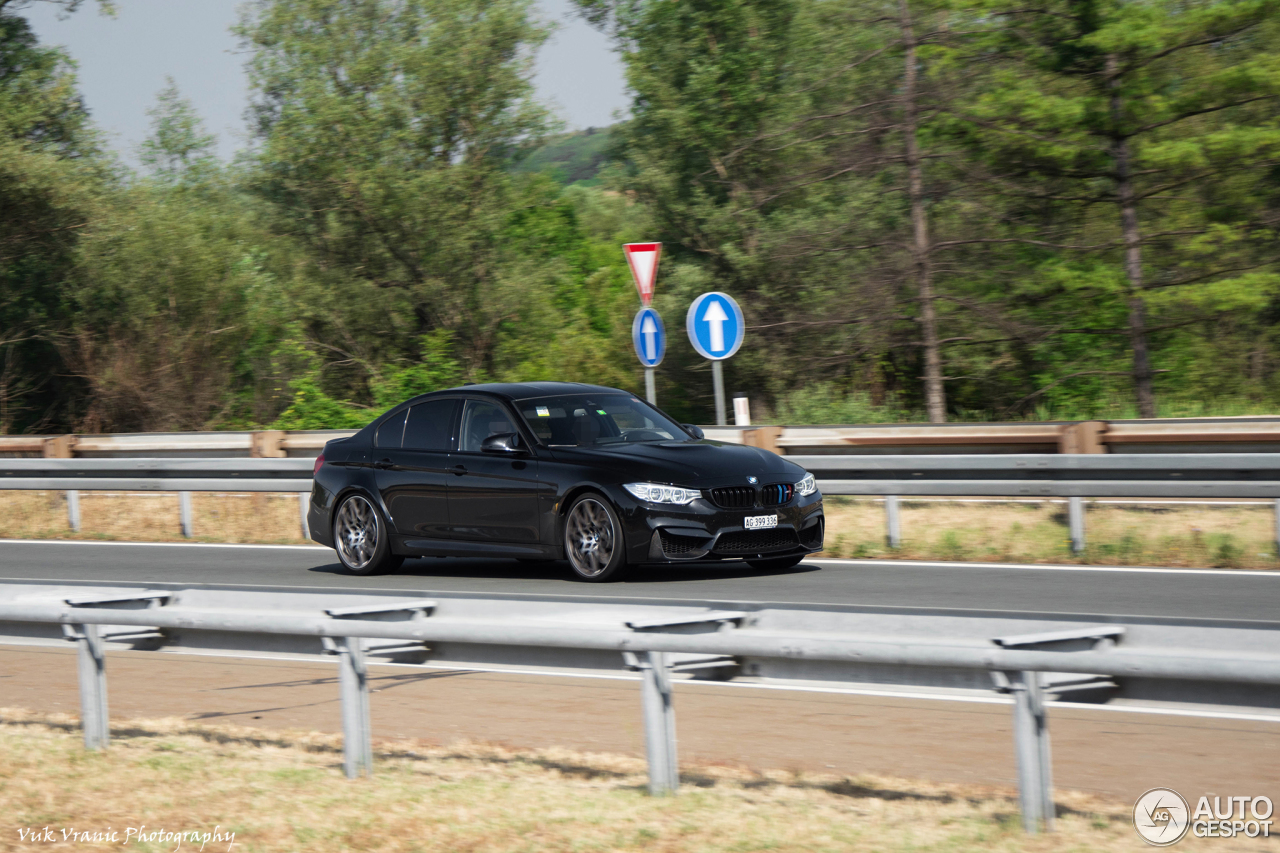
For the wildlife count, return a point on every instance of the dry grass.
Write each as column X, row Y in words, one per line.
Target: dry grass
column 153, row 517
column 1035, row 532
column 285, row 791
column 1150, row 535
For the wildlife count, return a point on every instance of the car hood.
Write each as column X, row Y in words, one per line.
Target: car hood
column 683, row 462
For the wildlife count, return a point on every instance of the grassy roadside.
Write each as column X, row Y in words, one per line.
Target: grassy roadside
column 261, row 517
column 1193, row 535
column 1200, row 535
column 285, row 791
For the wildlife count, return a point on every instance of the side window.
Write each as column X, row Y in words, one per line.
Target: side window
column 391, row 432
column 481, row 419
column 430, row 425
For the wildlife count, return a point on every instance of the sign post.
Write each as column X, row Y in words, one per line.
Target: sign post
column 650, row 340
column 646, row 332
column 716, row 329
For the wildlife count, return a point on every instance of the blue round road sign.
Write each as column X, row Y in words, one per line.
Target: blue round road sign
column 715, row 325
column 649, row 337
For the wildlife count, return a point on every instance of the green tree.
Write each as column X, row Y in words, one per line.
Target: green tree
column 50, row 171
column 1139, row 140
column 179, row 146
column 386, row 132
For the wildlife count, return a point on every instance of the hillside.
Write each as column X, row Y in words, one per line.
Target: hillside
column 572, row 158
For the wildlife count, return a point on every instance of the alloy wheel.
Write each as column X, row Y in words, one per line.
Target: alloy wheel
column 357, row 532
column 590, row 537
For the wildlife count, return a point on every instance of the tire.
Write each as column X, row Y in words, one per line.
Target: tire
column 360, row 538
column 778, row 564
column 593, row 540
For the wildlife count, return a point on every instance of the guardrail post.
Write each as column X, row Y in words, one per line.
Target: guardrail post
column 892, row 522
column 184, row 513
column 1031, row 744
column 353, row 680
column 73, row 510
column 304, row 505
column 659, row 725
column 1075, row 523
column 1276, row 537
column 92, row 669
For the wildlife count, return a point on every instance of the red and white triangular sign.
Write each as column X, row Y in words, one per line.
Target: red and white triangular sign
column 643, row 260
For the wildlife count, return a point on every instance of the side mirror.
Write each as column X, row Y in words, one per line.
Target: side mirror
column 503, row 442
column 695, row 431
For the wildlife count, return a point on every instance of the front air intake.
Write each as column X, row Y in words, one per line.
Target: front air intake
column 756, row 541
column 734, row 497
column 777, row 494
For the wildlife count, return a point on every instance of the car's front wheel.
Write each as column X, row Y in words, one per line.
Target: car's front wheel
column 360, row 538
column 593, row 539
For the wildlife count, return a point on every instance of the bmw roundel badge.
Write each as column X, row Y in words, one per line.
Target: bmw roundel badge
column 752, row 480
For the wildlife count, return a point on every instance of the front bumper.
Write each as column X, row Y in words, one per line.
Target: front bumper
column 703, row 531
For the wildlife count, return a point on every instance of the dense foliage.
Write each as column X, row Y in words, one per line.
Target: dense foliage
column 928, row 208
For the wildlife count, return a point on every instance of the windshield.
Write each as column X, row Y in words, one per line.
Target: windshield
column 593, row 420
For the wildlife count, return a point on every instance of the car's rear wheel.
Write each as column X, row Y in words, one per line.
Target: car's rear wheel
column 777, row 564
column 360, row 538
column 593, row 539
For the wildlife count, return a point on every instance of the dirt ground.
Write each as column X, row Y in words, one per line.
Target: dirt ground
column 220, row 788
column 1109, row 753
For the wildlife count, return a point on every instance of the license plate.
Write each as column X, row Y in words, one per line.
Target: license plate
column 761, row 522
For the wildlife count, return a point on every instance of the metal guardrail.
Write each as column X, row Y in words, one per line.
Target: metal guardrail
column 1073, row 476
column 1028, row 656
column 267, row 444
column 183, row 476
column 1185, row 435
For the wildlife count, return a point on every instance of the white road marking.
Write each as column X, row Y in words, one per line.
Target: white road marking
column 161, row 544
column 1045, row 567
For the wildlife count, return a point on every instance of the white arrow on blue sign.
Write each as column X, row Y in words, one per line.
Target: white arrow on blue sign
column 649, row 337
column 715, row 325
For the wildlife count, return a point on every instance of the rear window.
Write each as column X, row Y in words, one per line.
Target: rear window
column 391, row 432
column 430, row 425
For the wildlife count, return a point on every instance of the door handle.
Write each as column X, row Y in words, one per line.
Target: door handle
column 459, row 469
column 383, row 464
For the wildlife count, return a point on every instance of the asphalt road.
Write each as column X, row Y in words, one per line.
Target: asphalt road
column 984, row 587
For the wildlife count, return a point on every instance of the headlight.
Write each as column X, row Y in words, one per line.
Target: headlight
column 807, row 486
column 655, row 493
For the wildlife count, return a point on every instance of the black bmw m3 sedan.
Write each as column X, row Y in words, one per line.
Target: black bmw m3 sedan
column 553, row 471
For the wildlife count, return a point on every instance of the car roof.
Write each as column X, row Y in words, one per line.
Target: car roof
column 529, row 390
